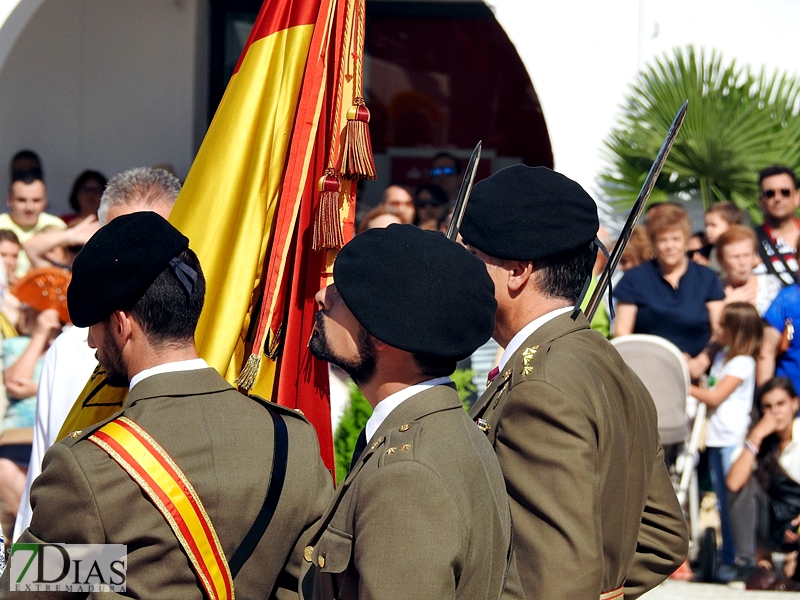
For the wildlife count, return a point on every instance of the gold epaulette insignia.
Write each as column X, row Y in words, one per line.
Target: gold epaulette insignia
column 527, row 357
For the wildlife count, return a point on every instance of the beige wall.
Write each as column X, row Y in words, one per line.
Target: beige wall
column 107, row 85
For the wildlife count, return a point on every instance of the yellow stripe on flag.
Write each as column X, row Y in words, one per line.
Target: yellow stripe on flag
column 227, row 205
column 226, row 209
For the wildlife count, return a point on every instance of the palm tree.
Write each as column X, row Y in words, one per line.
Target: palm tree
column 738, row 122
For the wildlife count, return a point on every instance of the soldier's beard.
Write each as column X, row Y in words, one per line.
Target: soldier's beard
column 110, row 358
column 361, row 369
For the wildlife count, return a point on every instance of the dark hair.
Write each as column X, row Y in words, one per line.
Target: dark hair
column 563, row 275
column 776, row 170
column 729, row 212
column 79, row 181
column 6, row 235
column 435, row 366
column 456, row 162
column 434, row 190
column 768, row 465
column 27, row 177
column 27, row 155
column 166, row 313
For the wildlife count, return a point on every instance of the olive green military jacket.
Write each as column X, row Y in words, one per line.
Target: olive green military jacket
column 575, row 432
column 223, row 442
column 423, row 514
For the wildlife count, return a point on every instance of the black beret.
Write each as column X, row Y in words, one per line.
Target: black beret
column 118, row 264
column 526, row 213
column 417, row 291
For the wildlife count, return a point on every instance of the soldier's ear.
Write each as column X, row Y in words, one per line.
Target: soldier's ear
column 122, row 325
column 519, row 272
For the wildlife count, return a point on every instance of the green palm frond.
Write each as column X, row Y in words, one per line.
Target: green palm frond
column 738, row 122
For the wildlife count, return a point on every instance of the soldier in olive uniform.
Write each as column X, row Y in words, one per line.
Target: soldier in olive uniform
column 423, row 513
column 575, row 431
column 140, row 290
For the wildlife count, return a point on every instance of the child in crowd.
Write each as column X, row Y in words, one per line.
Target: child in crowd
column 730, row 400
column 719, row 217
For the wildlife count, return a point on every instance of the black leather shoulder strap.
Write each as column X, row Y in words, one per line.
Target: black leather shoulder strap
column 279, row 464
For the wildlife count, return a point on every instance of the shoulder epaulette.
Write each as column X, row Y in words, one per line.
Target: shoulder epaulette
column 529, row 364
column 400, row 443
column 73, row 437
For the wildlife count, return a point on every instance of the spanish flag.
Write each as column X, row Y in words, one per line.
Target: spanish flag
column 252, row 210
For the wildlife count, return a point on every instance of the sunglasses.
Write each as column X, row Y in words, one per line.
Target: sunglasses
column 424, row 203
column 439, row 171
column 705, row 252
column 785, row 192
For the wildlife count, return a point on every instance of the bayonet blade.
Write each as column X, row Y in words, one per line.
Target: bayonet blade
column 636, row 212
column 463, row 193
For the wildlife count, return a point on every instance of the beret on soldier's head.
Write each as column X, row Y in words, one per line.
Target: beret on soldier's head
column 118, row 264
column 417, row 291
column 527, row 213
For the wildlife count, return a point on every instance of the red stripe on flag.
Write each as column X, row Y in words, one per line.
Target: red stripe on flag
column 189, row 496
column 119, row 449
column 277, row 15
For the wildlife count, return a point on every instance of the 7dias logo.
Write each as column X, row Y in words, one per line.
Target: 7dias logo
column 68, row 567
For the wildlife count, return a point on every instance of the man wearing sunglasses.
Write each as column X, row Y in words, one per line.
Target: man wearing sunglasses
column 445, row 171
column 778, row 236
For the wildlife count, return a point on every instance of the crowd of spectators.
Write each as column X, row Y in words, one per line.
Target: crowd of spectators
column 728, row 298
column 36, row 254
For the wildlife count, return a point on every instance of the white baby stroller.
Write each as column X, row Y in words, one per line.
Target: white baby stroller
column 664, row 372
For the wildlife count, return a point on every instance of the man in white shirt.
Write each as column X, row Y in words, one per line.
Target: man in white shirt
column 422, row 513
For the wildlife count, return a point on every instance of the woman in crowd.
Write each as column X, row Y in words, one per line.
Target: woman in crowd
column 736, row 251
column 765, row 478
column 670, row 296
column 730, row 400
column 430, row 202
column 85, row 197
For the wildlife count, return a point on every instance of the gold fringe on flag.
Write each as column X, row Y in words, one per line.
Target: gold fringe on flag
column 327, row 224
column 247, row 377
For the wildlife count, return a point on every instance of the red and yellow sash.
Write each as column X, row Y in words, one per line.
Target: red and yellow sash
column 151, row 467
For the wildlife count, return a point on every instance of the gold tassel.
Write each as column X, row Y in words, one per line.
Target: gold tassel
column 247, row 377
column 327, row 224
column 357, row 159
